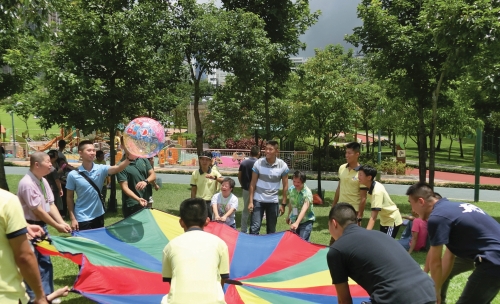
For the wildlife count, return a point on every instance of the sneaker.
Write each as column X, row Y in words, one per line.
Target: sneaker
column 56, row 301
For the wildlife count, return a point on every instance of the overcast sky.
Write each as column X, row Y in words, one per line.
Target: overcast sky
column 338, row 18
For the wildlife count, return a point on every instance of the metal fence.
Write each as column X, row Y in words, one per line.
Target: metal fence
column 229, row 158
column 223, row 158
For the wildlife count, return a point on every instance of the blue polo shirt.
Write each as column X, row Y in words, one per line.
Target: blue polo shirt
column 88, row 205
column 466, row 230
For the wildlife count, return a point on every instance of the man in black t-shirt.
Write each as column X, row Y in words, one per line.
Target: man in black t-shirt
column 469, row 233
column 245, row 177
column 375, row 261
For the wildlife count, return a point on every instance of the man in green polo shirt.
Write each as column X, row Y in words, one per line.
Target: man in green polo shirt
column 135, row 181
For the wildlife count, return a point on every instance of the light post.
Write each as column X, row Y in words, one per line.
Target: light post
column 379, row 155
column 13, row 133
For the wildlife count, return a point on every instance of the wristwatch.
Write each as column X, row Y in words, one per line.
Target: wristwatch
column 146, row 181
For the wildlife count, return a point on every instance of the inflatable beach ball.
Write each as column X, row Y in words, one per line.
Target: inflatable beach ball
column 144, row 137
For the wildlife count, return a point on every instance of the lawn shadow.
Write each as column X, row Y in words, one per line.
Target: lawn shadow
column 65, row 280
column 77, row 300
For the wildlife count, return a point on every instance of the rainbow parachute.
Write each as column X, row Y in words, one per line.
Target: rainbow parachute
column 121, row 263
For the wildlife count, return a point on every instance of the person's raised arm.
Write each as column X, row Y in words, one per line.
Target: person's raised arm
column 70, row 201
column 343, row 293
column 26, row 262
column 373, row 218
column 122, row 165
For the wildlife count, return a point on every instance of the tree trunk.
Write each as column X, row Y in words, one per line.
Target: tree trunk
column 326, row 147
column 461, row 148
column 367, row 140
column 373, row 141
column 3, row 177
column 319, row 167
column 432, row 152
column 438, row 148
column 389, row 133
column 449, row 149
column 267, row 117
column 112, row 203
column 422, row 140
column 197, row 119
column 394, row 143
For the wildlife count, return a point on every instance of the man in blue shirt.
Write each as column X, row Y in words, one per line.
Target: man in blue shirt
column 88, row 211
column 469, row 233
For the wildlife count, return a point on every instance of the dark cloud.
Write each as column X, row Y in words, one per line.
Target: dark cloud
column 338, row 18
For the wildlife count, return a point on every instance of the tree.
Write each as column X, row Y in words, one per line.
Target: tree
column 419, row 46
column 109, row 62
column 285, row 21
column 211, row 38
column 19, row 21
column 231, row 99
column 324, row 98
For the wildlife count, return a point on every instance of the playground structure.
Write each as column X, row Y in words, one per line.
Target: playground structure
column 24, row 146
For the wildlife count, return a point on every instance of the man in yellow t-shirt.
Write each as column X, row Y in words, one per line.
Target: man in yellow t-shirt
column 195, row 277
column 381, row 203
column 16, row 256
column 349, row 190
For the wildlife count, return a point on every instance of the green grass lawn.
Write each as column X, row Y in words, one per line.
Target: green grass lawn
column 169, row 197
column 6, row 121
column 489, row 159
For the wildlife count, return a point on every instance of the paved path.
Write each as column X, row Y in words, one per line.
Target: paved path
column 451, row 193
column 461, row 178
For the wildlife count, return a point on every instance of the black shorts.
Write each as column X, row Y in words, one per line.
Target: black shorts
column 98, row 222
column 391, row 231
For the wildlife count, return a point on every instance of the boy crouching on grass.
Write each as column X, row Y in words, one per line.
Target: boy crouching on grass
column 195, row 277
column 381, row 203
column 225, row 203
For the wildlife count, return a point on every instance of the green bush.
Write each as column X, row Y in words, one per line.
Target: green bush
column 188, row 136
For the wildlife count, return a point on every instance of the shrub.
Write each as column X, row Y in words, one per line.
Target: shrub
column 188, row 136
column 242, row 144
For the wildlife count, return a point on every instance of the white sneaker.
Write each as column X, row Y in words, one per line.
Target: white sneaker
column 56, row 301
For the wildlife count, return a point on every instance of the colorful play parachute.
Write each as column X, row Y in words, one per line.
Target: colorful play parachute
column 122, row 263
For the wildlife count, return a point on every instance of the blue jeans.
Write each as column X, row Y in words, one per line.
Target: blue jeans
column 304, row 230
column 46, row 272
column 407, row 232
column 245, row 213
column 406, row 236
column 271, row 210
